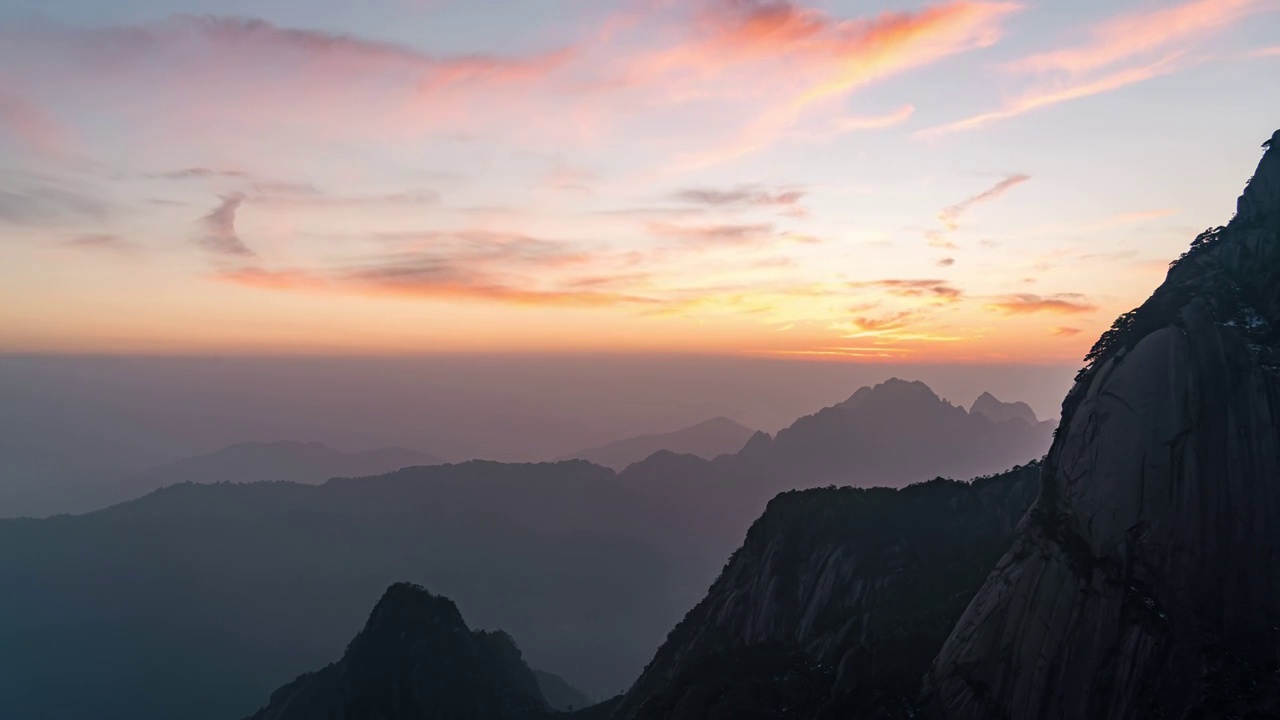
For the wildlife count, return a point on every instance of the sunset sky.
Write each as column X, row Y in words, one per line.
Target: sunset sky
column 945, row 182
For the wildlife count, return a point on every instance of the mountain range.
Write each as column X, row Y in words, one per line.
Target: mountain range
column 1127, row 575
column 241, row 586
column 308, row 463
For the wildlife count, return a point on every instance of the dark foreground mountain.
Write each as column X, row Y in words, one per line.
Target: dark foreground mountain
column 308, row 463
column 416, row 659
column 835, row 604
column 709, row 439
column 1144, row 582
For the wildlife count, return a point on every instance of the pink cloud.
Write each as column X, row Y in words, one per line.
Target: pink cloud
column 31, row 127
column 1122, row 51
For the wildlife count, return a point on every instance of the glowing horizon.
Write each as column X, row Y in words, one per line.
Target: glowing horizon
column 963, row 181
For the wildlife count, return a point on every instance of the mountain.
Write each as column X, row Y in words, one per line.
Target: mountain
column 707, row 440
column 1143, row 582
column 196, row 600
column 309, row 463
column 836, row 602
column 892, row 434
column 559, row 694
column 998, row 412
column 216, row 593
column 416, row 659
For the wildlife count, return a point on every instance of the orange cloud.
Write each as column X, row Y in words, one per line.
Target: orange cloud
column 424, row 283
column 1065, row 331
column 1027, row 303
column 1122, row 51
column 770, row 46
column 936, row 289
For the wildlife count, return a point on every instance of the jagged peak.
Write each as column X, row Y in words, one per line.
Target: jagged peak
column 894, row 387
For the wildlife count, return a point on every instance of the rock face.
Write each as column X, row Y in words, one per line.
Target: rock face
column 835, row 603
column 1143, row 584
column 415, row 660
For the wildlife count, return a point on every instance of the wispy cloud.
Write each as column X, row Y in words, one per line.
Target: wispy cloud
column 939, row 290
column 1122, row 51
column 1027, row 303
column 194, row 173
column 724, row 234
column 33, row 128
column 1065, row 331
column 103, row 242
column 950, row 216
column 806, row 58
column 49, row 206
column 742, row 196
column 218, row 229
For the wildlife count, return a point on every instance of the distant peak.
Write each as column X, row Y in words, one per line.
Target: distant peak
column 893, row 388
column 997, row 411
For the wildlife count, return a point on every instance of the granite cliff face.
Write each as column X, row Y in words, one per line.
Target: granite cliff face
column 415, row 660
column 835, row 604
column 1143, row 583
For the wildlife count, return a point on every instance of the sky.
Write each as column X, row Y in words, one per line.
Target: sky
column 950, row 182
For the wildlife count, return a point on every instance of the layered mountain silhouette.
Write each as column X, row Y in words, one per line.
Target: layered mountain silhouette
column 309, row 463
column 416, row 659
column 714, row 437
column 998, row 412
column 239, row 587
column 1143, row 583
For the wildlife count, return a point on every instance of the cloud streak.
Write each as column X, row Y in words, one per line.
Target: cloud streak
column 1027, row 304
column 1122, row 51
column 950, row 216
column 743, row 196
column 218, row 229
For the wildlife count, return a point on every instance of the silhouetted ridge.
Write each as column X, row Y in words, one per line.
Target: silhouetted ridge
column 836, row 602
column 996, row 411
column 1143, row 583
column 706, row 440
column 415, row 659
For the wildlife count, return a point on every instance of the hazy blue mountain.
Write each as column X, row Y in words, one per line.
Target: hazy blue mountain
column 706, row 440
column 309, row 463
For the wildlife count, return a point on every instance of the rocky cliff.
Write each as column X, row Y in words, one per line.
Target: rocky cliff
column 835, row 603
column 1143, row 584
column 415, row 659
